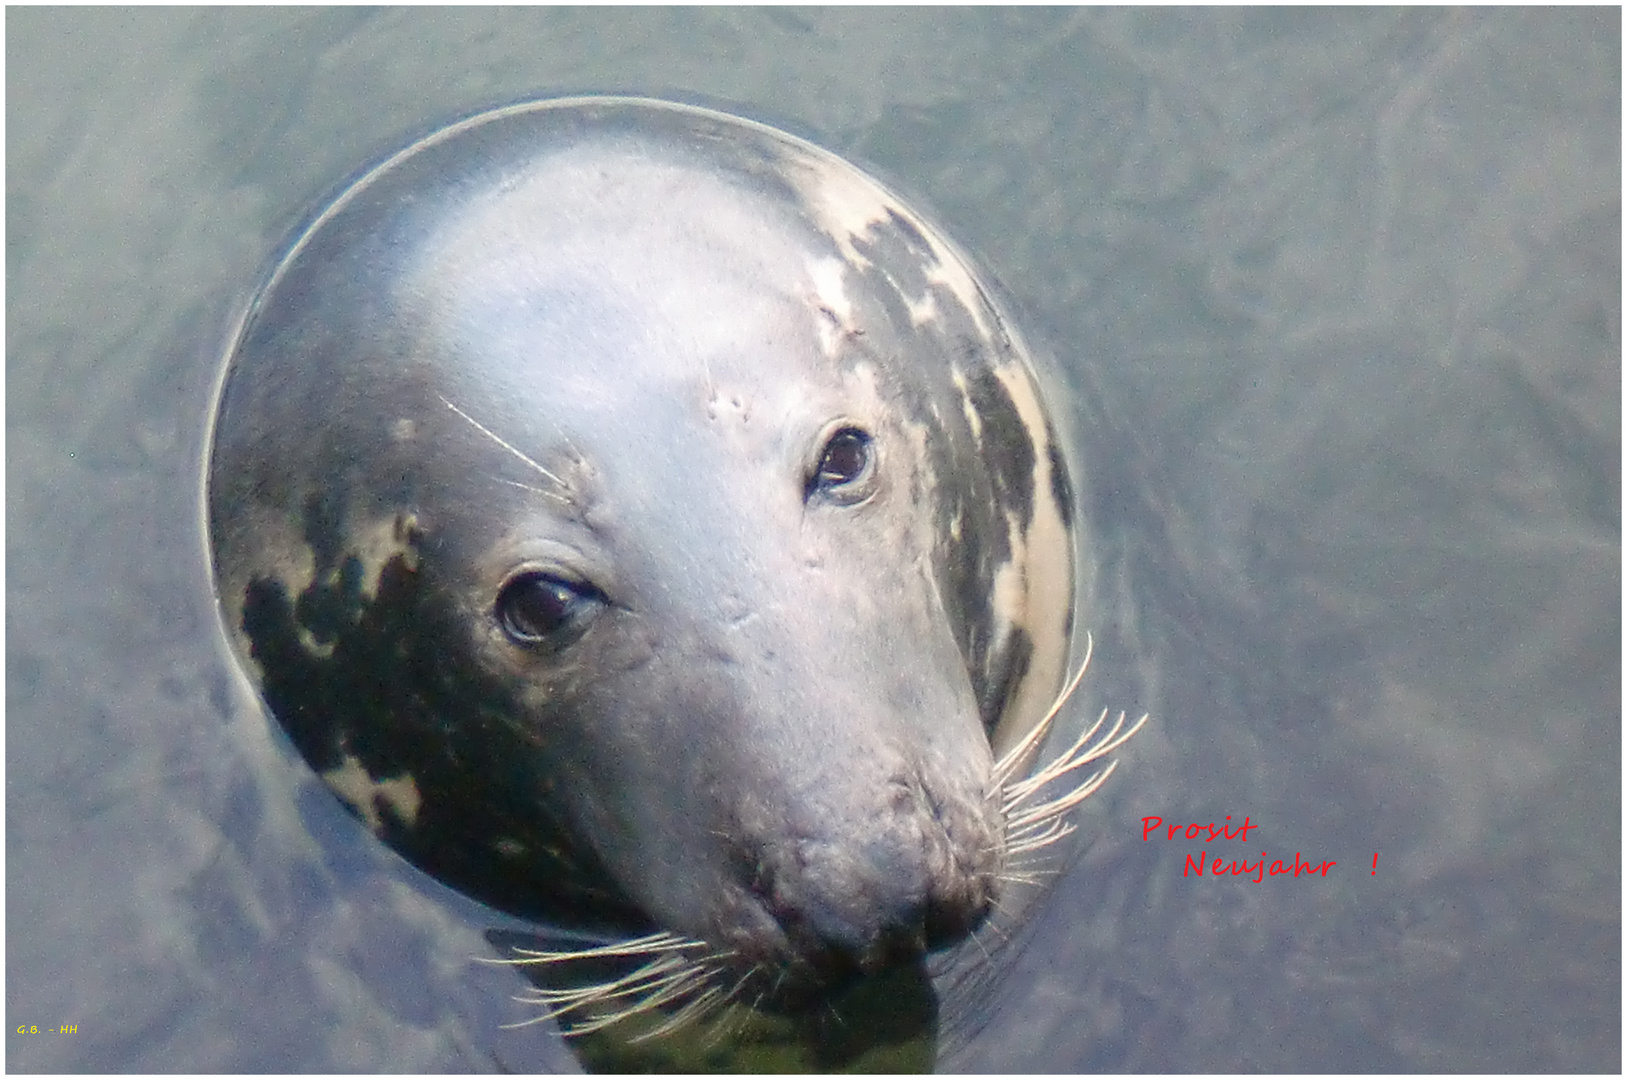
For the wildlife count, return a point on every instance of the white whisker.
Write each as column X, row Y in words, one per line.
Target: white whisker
column 1014, row 757
column 691, row 1010
column 556, row 496
column 1033, row 823
column 498, row 439
column 651, row 976
column 678, row 971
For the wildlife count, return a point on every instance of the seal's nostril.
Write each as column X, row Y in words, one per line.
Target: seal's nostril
column 948, row 923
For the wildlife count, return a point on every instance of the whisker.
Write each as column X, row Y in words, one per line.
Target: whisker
column 691, row 1010
column 651, row 976
column 1014, row 757
column 1033, row 817
column 977, row 940
column 643, row 1005
column 672, row 973
column 540, row 1018
column 661, row 941
column 498, row 439
column 1040, row 831
column 1026, row 845
column 534, row 490
column 1034, row 822
column 1075, row 757
column 734, row 1018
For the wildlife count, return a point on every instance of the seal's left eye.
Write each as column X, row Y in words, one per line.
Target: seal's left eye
column 535, row 608
column 845, row 469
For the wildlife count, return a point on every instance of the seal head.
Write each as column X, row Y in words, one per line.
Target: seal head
column 640, row 517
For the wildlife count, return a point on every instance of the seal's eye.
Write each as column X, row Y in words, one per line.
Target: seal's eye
column 846, row 467
column 534, row 608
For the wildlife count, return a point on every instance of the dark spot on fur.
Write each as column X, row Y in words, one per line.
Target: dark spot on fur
column 399, row 691
column 1008, row 445
column 1061, row 489
column 916, row 243
column 1006, row 668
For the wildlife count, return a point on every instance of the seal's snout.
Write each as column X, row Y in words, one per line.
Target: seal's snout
column 877, row 887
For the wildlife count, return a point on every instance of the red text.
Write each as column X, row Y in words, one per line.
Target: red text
column 1258, row 871
column 1149, row 825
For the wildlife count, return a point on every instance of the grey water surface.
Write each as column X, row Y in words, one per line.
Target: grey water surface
column 1339, row 293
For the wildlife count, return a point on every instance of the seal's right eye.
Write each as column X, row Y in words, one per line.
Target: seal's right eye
column 536, row 608
column 846, row 471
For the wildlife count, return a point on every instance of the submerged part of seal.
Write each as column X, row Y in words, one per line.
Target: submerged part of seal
column 645, row 522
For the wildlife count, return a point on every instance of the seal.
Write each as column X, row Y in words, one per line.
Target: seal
column 647, row 523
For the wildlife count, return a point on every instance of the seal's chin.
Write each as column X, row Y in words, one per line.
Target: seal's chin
column 783, row 959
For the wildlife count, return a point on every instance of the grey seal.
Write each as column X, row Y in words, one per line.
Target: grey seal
column 647, row 523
